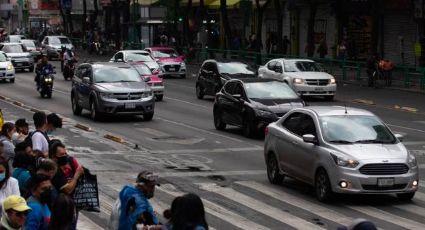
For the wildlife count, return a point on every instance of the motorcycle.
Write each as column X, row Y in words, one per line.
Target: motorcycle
column 45, row 83
column 69, row 68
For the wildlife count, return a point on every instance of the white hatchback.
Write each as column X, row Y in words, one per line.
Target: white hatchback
column 7, row 71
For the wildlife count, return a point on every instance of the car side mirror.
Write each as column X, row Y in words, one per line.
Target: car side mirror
column 400, row 137
column 86, row 80
column 309, row 138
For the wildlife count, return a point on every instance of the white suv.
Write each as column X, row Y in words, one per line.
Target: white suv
column 305, row 76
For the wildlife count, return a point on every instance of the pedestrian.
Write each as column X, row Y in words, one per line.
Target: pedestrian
column 53, row 122
column 8, row 185
column 285, row 44
column 6, row 134
column 39, row 138
column 26, row 148
column 135, row 208
column 322, row 50
column 49, row 168
column 371, row 67
column 14, row 213
column 21, row 172
column 39, row 217
column 22, row 130
column 187, row 213
column 342, row 50
column 63, row 213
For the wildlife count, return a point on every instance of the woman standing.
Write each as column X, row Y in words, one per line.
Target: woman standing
column 8, row 185
column 6, row 134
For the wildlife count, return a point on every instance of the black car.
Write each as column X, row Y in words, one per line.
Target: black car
column 214, row 74
column 253, row 103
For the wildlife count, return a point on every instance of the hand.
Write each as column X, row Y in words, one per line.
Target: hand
column 79, row 171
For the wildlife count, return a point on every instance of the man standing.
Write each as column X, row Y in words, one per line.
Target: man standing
column 39, row 217
column 39, row 138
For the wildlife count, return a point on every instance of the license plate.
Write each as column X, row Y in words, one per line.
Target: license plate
column 18, row 64
column 130, row 105
column 171, row 69
column 385, row 182
column 318, row 89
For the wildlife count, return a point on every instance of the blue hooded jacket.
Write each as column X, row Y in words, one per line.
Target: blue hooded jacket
column 128, row 220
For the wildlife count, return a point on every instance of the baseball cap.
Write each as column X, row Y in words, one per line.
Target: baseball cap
column 21, row 123
column 146, row 176
column 55, row 120
column 16, row 203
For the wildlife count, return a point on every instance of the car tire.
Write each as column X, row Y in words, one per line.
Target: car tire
column 32, row 69
column 322, row 186
column 12, row 80
column 148, row 116
column 405, row 196
column 159, row 97
column 247, row 127
column 273, row 174
column 329, row 98
column 94, row 113
column 76, row 109
column 199, row 92
column 218, row 121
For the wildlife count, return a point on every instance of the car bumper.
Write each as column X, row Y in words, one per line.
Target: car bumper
column 263, row 121
column 127, row 107
column 368, row 184
column 172, row 73
column 315, row 90
column 22, row 64
column 7, row 74
column 157, row 90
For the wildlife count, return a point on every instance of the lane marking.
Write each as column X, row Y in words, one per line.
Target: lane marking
column 179, row 85
column 275, row 213
column 217, row 150
column 187, row 102
column 412, row 209
column 217, row 211
column 213, row 173
column 402, row 127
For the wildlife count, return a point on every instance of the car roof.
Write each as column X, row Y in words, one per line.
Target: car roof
column 56, row 36
column 254, row 79
column 110, row 64
column 337, row 111
column 225, row 61
column 28, row 40
column 292, row 59
column 160, row 48
column 11, row 43
column 134, row 51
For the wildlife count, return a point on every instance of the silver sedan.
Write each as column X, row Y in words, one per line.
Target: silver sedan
column 341, row 150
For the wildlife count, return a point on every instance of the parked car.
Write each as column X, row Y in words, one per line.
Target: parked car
column 19, row 56
column 253, row 103
column 33, row 47
column 52, row 45
column 110, row 88
column 153, row 80
column 169, row 60
column 137, row 56
column 340, row 150
column 7, row 71
column 305, row 76
column 14, row 38
column 213, row 75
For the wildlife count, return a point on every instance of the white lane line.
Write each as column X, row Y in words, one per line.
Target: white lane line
column 403, row 127
column 187, row 102
column 62, row 92
column 205, row 174
column 316, row 209
column 388, row 217
column 178, row 85
column 218, row 211
column 218, row 150
column 412, row 209
column 259, row 206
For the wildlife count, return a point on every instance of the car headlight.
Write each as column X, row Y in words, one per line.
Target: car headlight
column 183, row 65
column 106, row 95
column 332, row 81
column 264, row 113
column 10, row 67
column 347, row 163
column 299, row 81
column 412, row 161
column 147, row 94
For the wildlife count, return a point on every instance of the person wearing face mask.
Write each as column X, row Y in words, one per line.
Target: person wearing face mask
column 49, row 168
column 14, row 213
column 53, row 122
column 6, row 134
column 8, row 185
column 39, row 217
column 22, row 130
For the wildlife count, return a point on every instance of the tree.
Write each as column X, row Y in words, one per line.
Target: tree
column 225, row 23
column 187, row 32
column 260, row 12
column 279, row 17
column 64, row 21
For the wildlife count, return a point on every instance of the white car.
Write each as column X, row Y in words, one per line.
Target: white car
column 7, row 71
column 305, row 76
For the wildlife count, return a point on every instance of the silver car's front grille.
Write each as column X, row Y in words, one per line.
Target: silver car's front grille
column 127, row 96
column 376, row 187
column 384, row 169
column 172, row 68
column 317, row 81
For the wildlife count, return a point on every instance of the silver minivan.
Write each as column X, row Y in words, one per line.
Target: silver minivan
column 340, row 150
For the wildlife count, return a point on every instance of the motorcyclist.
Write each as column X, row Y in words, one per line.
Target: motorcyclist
column 68, row 57
column 42, row 64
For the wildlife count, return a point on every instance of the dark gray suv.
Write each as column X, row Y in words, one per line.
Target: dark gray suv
column 110, row 88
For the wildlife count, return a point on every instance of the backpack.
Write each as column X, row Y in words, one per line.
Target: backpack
column 114, row 219
column 28, row 139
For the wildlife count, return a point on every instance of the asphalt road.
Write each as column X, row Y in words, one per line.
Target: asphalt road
column 226, row 169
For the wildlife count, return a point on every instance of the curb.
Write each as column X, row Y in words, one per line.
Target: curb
column 407, row 109
column 18, row 103
column 361, row 101
column 83, row 127
column 114, row 138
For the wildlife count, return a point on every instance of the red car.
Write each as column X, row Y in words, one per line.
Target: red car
column 170, row 62
column 153, row 80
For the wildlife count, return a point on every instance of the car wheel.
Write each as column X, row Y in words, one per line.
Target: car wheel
column 32, row 69
column 273, row 172
column 247, row 127
column 405, row 196
column 159, row 97
column 12, row 80
column 329, row 98
column 323, row 186
column 94, row 113
column 199, row 92
column 76, row 109
column 218, row 122
column 147, row 116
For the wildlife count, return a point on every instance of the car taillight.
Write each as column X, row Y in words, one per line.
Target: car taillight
column 266, row 131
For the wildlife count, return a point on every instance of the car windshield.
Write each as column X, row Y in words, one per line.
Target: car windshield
column 355, row 129
column 302, row 66
column 3, row 57
column 13, row 49
column 235, row 68
column 61, row 40
column 139, row 57
column 269, row 90
column 114, row 74
column 166, row 53
column 143, row 69
column 28, row 43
